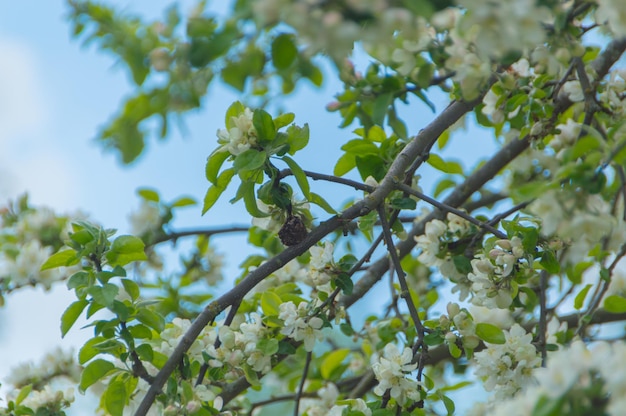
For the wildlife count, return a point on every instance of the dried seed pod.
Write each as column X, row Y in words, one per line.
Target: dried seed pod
column 293, row 231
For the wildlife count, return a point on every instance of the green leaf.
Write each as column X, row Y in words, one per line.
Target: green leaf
column 580, row 297
column 321, row 202
column 24, row 392
column 214, row 192
column 264, row 125
column 127, row 244
column 234, row 111
column 126, row 249
column 93, row 372
column 297, row 137
column 438, row 163
column 246, row 189
column 213, row 165
column 268, row 346
column 145, row 352
column 283, row 120
column 249, row 160
column 140, row 331
column 131, row 288
column 332, row 361
column 148, row 194
column 344, row 283
column 449, row 404
column 60, row 259
column 105, row 294
column 615, row 304
column 550, row 263
column 71, row 314
column 445, row 183
column 379, row 109
column 297, row 171
column 345, row 164
column 270, row 303
column 90, row 349
column 547, row 406
column 151, row 319
column 78, row 280
column 184, row 201
column 455, row 351
column 115, row 398
column 490, row 333
column 462, row 264
column 403, row 203
column 284, row 51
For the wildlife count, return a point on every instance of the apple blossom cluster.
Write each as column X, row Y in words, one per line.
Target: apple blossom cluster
column 459, row 325
column 491, row 274
column 580, row 221
column 55, row 368
column 56, row 364
column 507, row 368
column 299, row 326
column 46, row 401
column 392, row 370
column 577, row 380
column 28, row 237
column 241, row 345
column 146, row 219
column 240, row 137
column 489, row 280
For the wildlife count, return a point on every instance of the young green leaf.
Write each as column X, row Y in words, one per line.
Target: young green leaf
column 580, row 297
column 93, row 372
column 490, row 333
column 71, row 314
column 60, row 259
column 214, row 192
column 264, row 125
column 284, row 51
column 301, row 178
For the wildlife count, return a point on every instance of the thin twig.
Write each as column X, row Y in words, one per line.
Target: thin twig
column 395, row 261
column 446, row 208
column 543, row 284
column 309, row 355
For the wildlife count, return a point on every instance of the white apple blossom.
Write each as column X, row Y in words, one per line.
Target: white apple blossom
column 299, row 326
column 392, row 369
column 508, row 367
column 147, row 218
column 354, row 405
column 487, row 287
column 53, row 401
column 321, row 264
column 25, row 268
column 613, row 12
column 322, row 407
column 573, row 90
column 240, row 137
column 429, row 242
column 502, row 27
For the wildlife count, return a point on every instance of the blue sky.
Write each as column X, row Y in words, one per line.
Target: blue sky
column 55, row 94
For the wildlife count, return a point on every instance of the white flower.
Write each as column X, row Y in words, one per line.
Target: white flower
column 392, row 370
column 508, row 367
column 25, row 269
column 321, row 263
column 147, row 218
column 299, row 326
column 574, row 91
column 240, row 137
column 613, row 12
column 429, row 242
